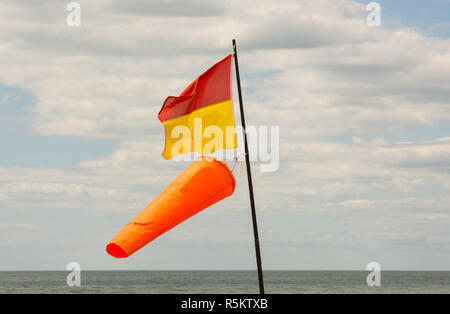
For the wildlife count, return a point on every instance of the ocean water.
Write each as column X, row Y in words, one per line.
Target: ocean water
column 224, row 282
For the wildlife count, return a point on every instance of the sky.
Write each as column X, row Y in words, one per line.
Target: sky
column 363, row 112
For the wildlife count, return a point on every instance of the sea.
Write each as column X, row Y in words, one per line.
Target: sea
column 224, row 282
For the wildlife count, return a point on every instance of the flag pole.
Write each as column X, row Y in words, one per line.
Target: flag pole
column 249, row 175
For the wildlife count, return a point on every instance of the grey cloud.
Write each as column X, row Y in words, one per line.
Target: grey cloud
column 172, row 8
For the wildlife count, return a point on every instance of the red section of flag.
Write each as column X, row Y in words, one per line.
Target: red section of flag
column 210, row 88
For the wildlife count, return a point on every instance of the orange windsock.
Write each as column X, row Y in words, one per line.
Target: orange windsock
column 205, row 182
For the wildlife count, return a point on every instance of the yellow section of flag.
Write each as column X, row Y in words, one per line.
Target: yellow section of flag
column 204, row 131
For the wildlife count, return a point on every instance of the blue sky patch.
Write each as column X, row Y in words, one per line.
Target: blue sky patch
column 22, row 148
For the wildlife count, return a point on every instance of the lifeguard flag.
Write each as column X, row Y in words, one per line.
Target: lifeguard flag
column 201, row 118
column 205, row 182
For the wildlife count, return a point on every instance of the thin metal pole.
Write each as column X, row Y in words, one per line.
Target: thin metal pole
column 249, row 175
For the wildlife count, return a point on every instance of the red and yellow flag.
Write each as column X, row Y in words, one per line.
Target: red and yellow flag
column 201, row 118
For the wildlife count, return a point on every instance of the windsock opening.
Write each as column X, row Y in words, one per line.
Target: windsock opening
column 205, row 182
column 116, row 251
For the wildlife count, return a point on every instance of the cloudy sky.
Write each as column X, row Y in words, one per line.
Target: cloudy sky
column 364, row 117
